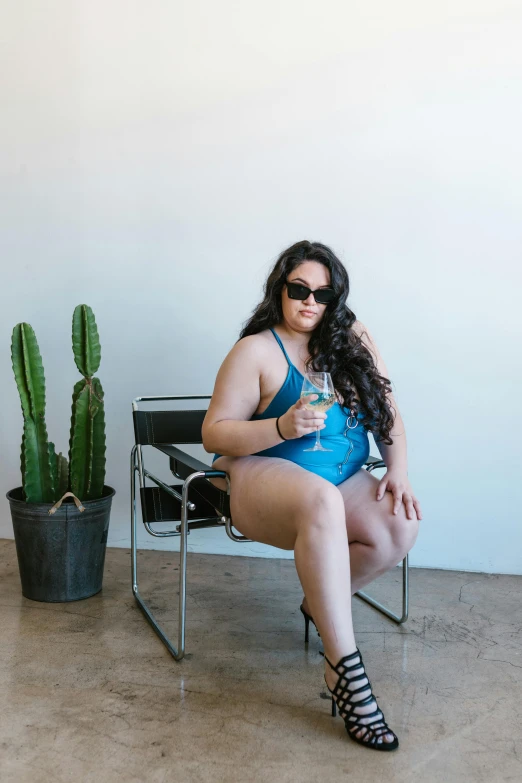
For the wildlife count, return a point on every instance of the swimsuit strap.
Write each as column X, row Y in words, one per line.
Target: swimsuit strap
column 282, row 347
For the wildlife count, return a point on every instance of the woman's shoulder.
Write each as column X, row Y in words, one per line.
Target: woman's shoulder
column 359, row 328
column 363, row 333
column 252, row 348
column 256, row 343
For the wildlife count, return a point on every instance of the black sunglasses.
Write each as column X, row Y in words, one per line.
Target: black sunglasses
column 321, row 295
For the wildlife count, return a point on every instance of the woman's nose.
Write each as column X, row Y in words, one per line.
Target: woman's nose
column 310, row 300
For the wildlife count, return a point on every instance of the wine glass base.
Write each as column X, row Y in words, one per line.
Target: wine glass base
column 318, row 448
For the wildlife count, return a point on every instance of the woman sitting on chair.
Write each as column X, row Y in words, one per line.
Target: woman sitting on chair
column 344, row 525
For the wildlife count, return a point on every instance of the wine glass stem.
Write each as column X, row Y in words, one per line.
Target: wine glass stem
column 317, row 437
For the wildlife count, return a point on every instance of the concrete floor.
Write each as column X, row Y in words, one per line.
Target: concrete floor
column 89, row 694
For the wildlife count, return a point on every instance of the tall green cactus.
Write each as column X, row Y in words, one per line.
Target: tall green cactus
column 46, row 475
column 87, row 440
column 38, row 455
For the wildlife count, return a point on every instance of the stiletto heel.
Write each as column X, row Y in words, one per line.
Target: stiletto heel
column 372, row 723
column 307, row 623
column 307, row 619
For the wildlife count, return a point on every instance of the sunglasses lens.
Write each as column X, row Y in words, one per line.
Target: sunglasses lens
column 296, row 291
column 325, row 296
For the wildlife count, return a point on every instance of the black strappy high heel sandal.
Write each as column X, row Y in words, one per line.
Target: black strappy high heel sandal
column 372, row 723
column 308, row 618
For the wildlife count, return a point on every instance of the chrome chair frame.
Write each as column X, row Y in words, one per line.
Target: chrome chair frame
column 188, row 469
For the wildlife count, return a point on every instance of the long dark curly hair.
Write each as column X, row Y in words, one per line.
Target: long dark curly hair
column 333, row 346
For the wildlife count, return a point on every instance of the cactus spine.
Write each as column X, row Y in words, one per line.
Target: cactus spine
column 38, row 459
column 87, row 440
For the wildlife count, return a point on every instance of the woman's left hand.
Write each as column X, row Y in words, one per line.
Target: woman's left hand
column 397, row 482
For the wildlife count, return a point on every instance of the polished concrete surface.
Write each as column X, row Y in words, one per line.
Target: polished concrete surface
column 89, row 694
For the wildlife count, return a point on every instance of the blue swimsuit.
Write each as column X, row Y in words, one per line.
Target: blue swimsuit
column 350, row 447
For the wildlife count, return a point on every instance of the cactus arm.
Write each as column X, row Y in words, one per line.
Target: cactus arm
column 98, row 466
column 28, row 370
column 85, row 341
column 31, row 476
column 76, row 393
column 81, row 446
column 87, row 455
column 36, row 463
column 44, row 458
column 22, row 466
column 37, row 479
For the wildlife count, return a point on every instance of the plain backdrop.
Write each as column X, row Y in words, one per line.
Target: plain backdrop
column 157, row 157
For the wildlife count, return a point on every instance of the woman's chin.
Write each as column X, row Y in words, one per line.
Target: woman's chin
column 310, row 321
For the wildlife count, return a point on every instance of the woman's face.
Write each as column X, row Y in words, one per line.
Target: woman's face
column 304, row 316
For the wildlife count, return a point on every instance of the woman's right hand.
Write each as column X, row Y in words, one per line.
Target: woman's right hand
column 299, row 421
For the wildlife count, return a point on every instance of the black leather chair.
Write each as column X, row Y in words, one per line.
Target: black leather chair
column 195, row 503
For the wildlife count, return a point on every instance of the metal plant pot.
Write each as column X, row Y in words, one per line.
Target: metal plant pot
column 60, row 557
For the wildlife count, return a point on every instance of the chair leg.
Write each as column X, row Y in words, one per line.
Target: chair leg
column 405, row 597
column 177, row 654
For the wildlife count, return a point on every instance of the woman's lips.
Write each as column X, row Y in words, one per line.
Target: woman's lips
column 307, row 312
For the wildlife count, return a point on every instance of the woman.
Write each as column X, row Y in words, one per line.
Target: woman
column 344, row 525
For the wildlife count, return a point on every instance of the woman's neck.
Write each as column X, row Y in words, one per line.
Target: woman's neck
column 296, row 342
column 299, row 339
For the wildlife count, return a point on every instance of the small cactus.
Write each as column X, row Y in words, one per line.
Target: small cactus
column 60, row 471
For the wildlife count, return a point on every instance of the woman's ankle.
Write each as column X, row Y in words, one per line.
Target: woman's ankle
column 332, row 660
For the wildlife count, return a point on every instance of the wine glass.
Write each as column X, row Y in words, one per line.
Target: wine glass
column 319, row 383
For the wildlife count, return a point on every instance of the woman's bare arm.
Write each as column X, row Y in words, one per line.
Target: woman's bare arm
column 226, row 428
column 395, row 480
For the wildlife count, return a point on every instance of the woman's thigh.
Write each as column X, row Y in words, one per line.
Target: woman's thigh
column 371, row 521
column 269, row 497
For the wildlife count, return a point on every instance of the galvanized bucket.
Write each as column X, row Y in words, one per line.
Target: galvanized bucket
column 60, row 556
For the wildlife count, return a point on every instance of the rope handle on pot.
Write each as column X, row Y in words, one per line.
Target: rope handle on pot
column 59, row 503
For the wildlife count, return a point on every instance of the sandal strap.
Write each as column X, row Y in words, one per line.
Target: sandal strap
column 352, row 679
column 343, row 696
column 342, row 669
column 346, row 658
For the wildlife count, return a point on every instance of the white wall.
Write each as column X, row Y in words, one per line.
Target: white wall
column 158, row 156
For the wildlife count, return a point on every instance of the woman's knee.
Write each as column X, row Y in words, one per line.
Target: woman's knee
column 321, row 505
column 403, row 532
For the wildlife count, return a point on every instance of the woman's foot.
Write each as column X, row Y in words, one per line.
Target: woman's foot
column 341, row 682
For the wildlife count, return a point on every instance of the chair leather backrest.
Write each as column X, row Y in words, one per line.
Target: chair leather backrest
column 152, row 427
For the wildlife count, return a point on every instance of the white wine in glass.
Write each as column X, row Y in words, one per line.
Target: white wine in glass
column 319, row 383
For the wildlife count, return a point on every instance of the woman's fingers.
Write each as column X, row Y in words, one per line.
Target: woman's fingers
column 302, row 421
column 305, row 412
column 397, row 500
column 320, row 425
column 417, row 508
column 411, row 504
column 408, row 503
column 313, row 414
column 381, row 489
column 302, row 401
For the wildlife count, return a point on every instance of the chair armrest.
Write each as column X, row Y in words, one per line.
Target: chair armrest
column 375, row 462
column 183, row 465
